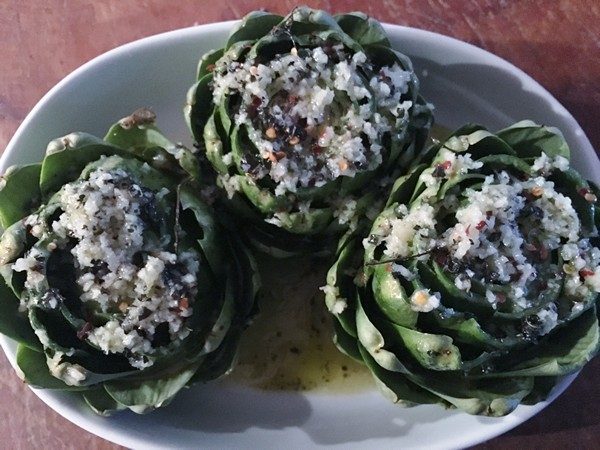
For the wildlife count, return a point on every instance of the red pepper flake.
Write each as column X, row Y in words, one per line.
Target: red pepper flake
column 544, row 253
column 441, row 168
column 500, row 297
column 183, row 303
column 210, row 67
column 84, row 331
column 481, row 225
column 585, row 272
column 280, row 155
column 583, row 192
column 316, row 149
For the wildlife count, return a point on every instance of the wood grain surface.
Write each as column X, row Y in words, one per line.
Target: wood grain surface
column 556, row 42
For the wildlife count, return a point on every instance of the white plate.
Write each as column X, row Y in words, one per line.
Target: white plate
column 464, row 82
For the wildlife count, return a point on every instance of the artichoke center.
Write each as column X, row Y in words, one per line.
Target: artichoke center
column 313, row 114
column 511, row 239
column 135, row 295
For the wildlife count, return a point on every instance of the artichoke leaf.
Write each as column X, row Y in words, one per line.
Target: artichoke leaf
column 207, row 62
column 432, row 351
column 252, row 27
column 14, row 323
column 362, row 28
column 373, row 342
column 391, row 297
column 345, row 342
column 493, row 403
column 19, row 193
column 565, row 351
column 529, row 139
column 100, row 402
column 339, row 293
column 210, row 240
column 219, row 362
column 404, row 186
column 12, row 246
column 572, row 184
column 34, row 370
column 196, row 113
column 503, row 162
column 468, row 330
column 214, row 145
column 67, row 156
column 395, row 386
column 142, row 396
column 137, row 132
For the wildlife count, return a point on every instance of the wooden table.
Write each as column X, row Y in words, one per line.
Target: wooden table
column 556, row 42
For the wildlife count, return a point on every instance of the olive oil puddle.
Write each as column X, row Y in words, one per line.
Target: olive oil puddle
column 289, row 344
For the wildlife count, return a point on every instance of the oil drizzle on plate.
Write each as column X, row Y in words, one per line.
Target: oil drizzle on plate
column 289, row 345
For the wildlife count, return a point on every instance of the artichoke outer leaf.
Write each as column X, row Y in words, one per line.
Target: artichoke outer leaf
column 13, row 323
column 373, row 342
column 145, row 395
column 19, row 194
column 529, row 139
column 142, row 172
column 496, row 407
column 479, row 144
column 12, row 244
column 100, row 402
column 340, row 285
column 223, row 323
column 67, row 156
column 483, row 397
column 219, row 362
column 564, row 352
column 253, row 27
column 346, row 342
column 207, row 62
column 34, row 370
column 542, row 388
column 362, row 28
column 136, row 135
column 210, row 242
column 195, row 110
column 395, row 386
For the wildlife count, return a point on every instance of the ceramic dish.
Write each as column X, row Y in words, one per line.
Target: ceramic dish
column 464, row 82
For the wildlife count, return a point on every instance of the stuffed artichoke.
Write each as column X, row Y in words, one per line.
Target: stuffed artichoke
column 477, row 286
column 117, row 281
column 301, row 118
